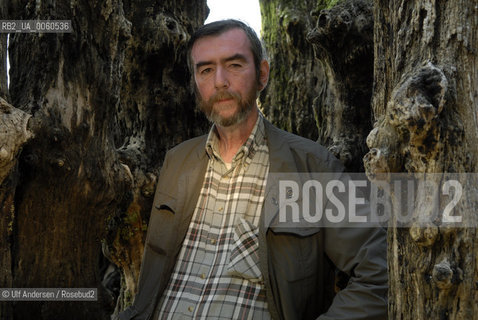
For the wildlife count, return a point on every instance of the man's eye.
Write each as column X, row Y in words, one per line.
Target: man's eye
column 235, row 65
column 206, row 71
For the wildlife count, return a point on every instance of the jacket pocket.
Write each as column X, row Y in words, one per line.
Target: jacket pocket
column 164, row 212
column 294, row 251
column 244, row 258
column 163, row 200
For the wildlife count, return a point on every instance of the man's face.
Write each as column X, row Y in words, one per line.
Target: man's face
column 225, row 77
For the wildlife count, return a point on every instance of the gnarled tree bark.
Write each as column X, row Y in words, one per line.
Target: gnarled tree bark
column 296, row 76
column 321, row 73
column 105, row 102
column 14, row 133
column 425, row 102
column 343, row 41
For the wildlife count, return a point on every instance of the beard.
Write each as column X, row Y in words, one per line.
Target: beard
column 244, row 106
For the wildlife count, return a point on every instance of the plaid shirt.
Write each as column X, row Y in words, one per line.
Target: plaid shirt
column 217, row 273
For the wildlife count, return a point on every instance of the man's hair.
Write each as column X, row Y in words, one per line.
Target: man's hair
column 219, row 27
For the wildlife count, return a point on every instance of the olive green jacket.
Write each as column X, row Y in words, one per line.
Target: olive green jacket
column 297, row 263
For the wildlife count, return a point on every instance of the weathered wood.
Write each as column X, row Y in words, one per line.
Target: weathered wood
column 322, row 94
column 6, row 193
column 425, row 102
column 106, row 101
column 3, row 54
column 3, row 66
column 296, row 77
column 343, row 41
column 7, row 214
column 14, row 133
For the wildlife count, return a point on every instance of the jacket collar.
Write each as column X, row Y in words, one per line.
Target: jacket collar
column 280, row 155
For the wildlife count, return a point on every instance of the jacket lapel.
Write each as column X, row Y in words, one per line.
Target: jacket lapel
column 195, row 170
column 282, row 163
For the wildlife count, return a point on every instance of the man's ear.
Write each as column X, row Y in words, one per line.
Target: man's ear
column 264, row 74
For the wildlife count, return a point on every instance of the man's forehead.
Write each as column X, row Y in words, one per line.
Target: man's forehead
column 231, row 42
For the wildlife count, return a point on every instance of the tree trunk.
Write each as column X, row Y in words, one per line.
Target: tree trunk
column 296, row 77
column 106, row 101
column 3, row 54
column 324, row 96
column 343, row 41
column 425, row 102
column 3, row 64
column 13, row 134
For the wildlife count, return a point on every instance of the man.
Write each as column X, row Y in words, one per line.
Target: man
column 215, row 248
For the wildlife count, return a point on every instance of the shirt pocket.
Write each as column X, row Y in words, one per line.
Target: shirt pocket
column 244, row 258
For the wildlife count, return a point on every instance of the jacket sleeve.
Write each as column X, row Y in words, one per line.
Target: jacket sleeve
column 361, row 252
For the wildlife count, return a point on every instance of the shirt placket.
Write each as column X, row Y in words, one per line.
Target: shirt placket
column 217, row 234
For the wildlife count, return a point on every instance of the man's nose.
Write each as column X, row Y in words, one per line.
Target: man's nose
column 220, row 80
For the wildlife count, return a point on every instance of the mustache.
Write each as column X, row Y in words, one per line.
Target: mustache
column 222, row 95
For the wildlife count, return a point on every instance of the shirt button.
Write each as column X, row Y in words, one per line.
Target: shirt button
column 220, row 209
column 203, row 276
column 213, row 241
column 190, row 308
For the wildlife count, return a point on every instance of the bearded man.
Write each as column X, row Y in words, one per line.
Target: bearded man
column 215, row 247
